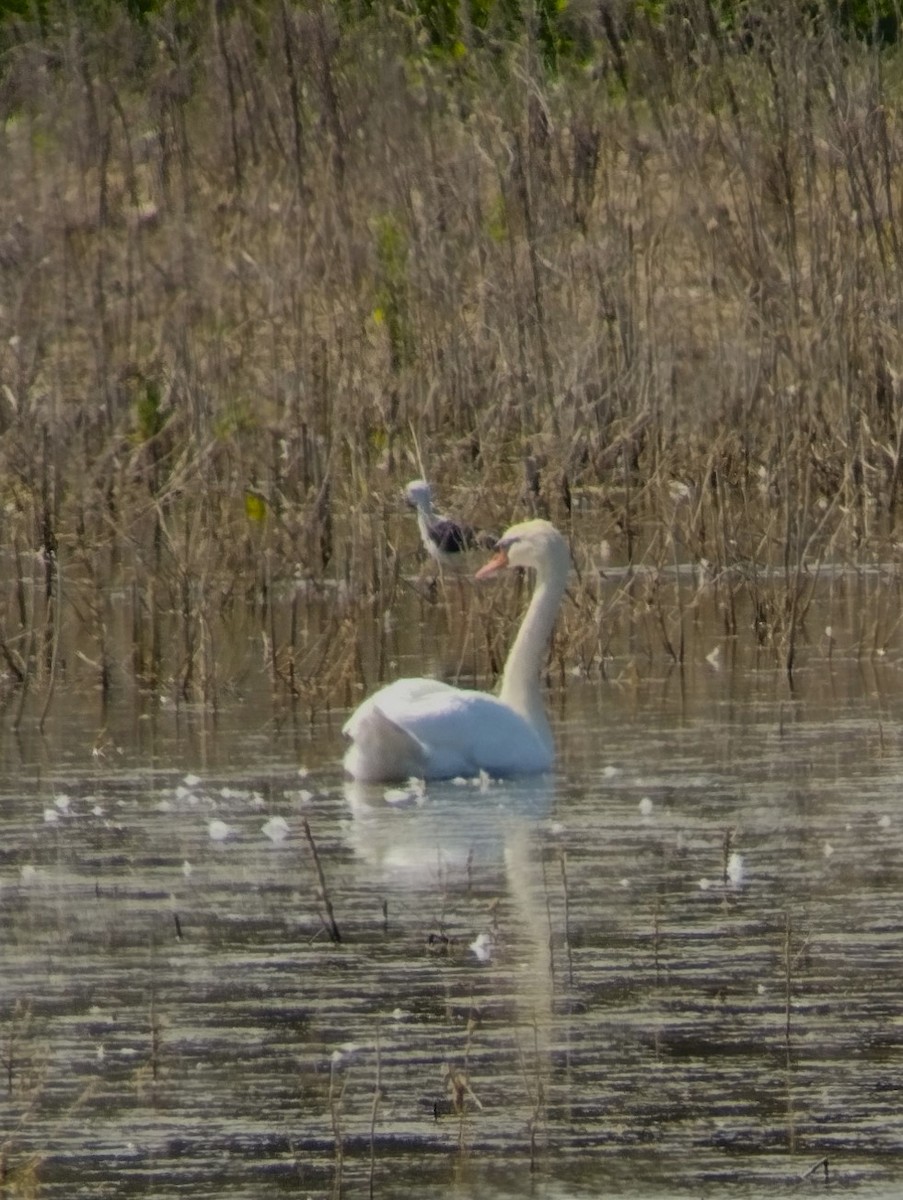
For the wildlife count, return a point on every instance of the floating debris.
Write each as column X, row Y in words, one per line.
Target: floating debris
column 735, row 870
column 301, row 796
column 276, row 829
column 483, row 946
column 219, row 830
column 646, row 806
column 344, row 1052
column 412, row 793
column 399, row 797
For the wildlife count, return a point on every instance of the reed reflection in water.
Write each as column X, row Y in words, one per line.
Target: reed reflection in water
column 671, row 966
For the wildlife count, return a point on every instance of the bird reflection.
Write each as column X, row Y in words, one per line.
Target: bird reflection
column 471, row 852
column 403, row 833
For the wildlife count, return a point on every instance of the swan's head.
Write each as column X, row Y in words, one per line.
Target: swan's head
column 536, row 544
column 418, row 494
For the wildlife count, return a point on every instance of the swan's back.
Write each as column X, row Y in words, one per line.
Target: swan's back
column 429, row 729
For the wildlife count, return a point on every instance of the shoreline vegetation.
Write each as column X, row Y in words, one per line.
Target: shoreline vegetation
column 634, row 267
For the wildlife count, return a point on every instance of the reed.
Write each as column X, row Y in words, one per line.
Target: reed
column 26, row 1070
column 338, row 1082
column 276, row 261
column 328, row 921
column 374, row 1112
column 534, row 1093
column 563, row 864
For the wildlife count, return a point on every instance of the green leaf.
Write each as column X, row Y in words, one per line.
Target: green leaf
column 255, row 505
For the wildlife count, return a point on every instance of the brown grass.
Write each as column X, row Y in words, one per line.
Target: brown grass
column 253, row 263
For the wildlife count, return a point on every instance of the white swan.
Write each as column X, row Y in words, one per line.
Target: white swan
column 430, row 729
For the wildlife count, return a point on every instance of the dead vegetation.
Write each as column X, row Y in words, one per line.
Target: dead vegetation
column 256, row 261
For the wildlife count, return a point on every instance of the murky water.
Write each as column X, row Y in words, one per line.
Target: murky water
column 672, row 967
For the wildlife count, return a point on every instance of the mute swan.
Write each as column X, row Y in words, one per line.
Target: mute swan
column 430, row 729
column 444, row 539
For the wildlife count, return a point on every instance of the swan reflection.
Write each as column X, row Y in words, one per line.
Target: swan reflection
column 474, row 856
column 406, row 833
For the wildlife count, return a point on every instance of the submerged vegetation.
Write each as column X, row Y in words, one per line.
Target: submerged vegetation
column 635, row 267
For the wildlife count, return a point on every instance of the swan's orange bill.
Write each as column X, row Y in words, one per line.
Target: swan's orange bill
column 498, row 562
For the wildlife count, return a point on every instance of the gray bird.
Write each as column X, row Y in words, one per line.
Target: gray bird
column 445, row 540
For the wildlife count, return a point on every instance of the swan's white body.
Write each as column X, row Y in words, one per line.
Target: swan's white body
column 433, row 730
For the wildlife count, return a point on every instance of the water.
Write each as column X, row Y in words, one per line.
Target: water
column 671, row 968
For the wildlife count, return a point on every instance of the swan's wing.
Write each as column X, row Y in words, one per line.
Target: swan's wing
column 381, row 749
column 396, row 699
column 463, row 733
column 384, row 745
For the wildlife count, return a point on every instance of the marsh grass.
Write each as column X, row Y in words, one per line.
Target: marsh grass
column 25, row 1071
column 260, row 267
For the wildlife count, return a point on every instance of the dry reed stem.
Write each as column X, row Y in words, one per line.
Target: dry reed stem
column 377, row 1091
column 336, row 1102
column 329, row 921
column 534, row 1089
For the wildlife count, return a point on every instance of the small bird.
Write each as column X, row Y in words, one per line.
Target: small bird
column 445, row 540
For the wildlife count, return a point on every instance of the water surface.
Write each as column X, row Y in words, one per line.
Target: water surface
column 672, row 966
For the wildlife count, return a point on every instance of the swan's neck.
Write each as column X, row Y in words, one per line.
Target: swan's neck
column 520, row 679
